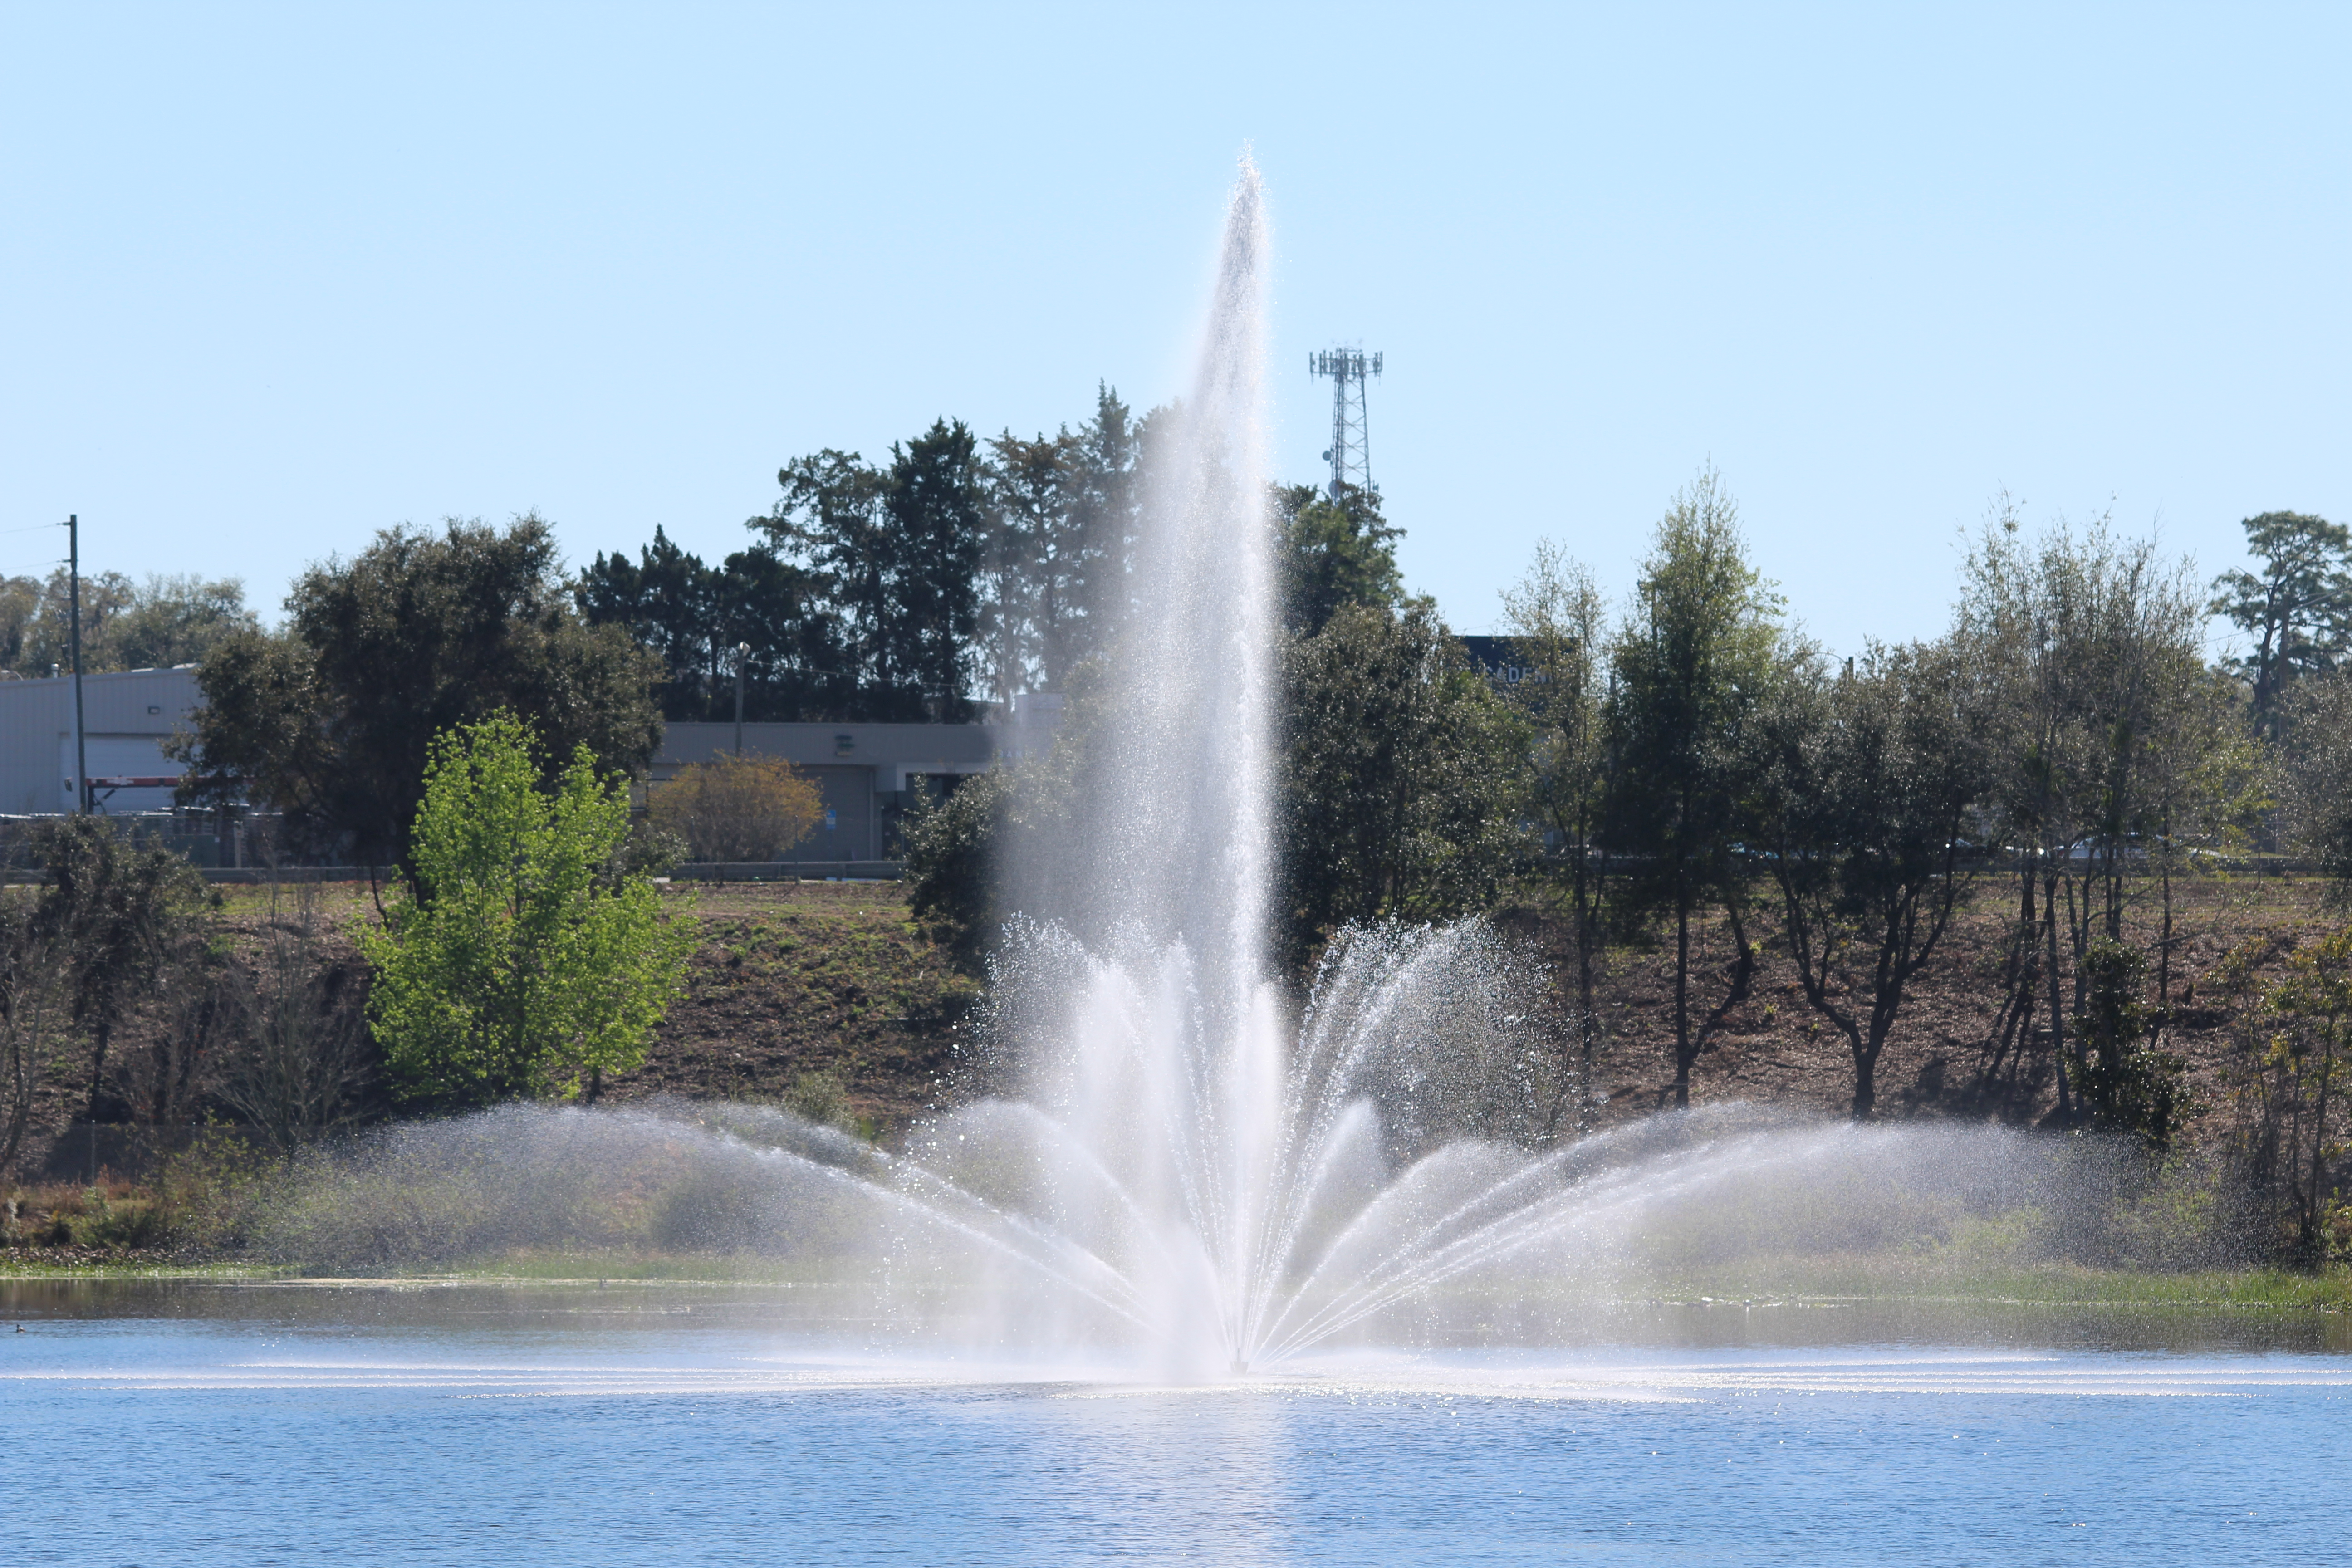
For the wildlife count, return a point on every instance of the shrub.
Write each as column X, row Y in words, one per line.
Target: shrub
column 2127, row 1085
column 739, row 808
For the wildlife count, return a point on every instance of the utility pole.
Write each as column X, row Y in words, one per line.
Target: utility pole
column 73, row 644
column 1350, row 454
column 742, row 653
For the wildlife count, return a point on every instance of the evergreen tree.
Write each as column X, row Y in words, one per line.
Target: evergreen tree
column 667, row 599
column 1104, row 496
column 2298, row 609
column 1028, row 601
column 936, row 511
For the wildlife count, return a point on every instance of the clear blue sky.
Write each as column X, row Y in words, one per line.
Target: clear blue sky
column 277, row 278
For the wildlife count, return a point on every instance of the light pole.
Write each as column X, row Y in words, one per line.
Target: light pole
column 73, row 642
column 742, row 654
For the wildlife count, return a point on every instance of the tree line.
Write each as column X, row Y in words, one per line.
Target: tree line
column 2064, row 749
column 1681, row 763
column 150, row 624
column 933, row 586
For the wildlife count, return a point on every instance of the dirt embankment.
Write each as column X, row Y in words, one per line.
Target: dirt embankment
column 809, row 979
column 1939, row 1058
column 792, row 983
column 830, row 978
column 832, row 983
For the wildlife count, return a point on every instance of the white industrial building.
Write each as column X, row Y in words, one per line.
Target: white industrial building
column 126, row 718
column 865, row 770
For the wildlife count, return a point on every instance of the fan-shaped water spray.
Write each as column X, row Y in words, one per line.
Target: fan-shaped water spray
column 1175, row 1170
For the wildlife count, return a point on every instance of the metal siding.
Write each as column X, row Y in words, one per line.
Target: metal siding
column 848, row 794
column 36, row 727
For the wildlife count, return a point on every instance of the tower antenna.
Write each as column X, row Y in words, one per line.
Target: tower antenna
column 1351, row 454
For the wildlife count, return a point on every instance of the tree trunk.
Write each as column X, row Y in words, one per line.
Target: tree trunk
column 2164, row 948
column 2057, row 1005
column 2313, row 1242
column 21, row 1064
column 100, row 1037
column 1587, row 898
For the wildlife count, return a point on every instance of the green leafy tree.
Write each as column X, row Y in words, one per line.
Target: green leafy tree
column 125, row 625
column 2296, row 609
column 1402, row 777
column 2315, row 779
column 2093, row 648
column 1332, row 552
column 1556, row 623
column 333, row 720
column 107, row 598
column 1866, row 781
column 2124, row 1083
column 516, row 962
column 20, row 611
column 1691, row 668
column 2294, row 1145
column 997, row 844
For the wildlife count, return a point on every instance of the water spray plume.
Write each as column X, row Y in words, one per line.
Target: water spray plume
column 1182, row 1171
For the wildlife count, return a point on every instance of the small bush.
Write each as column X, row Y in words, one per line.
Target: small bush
column 739, row 808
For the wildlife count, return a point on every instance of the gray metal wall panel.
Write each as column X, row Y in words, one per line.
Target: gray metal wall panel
column 130, row 710
column 848, row 794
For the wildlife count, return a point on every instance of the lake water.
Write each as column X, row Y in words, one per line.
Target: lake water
column 210, row 1424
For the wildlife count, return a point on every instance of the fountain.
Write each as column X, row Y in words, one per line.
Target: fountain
column 1176, row 1171
column 1181, row 1164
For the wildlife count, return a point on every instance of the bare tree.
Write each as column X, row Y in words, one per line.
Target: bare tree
column 32, row 1002
column 192, row 1015
column 299, row 1057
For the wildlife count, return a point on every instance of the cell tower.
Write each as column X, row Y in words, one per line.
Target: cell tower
column 1350, row 456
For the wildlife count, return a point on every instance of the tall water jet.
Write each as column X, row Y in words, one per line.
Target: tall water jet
column 1164, row 1071
column 1161, row 1160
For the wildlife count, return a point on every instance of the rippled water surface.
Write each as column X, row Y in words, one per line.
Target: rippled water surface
column 654, row 1425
